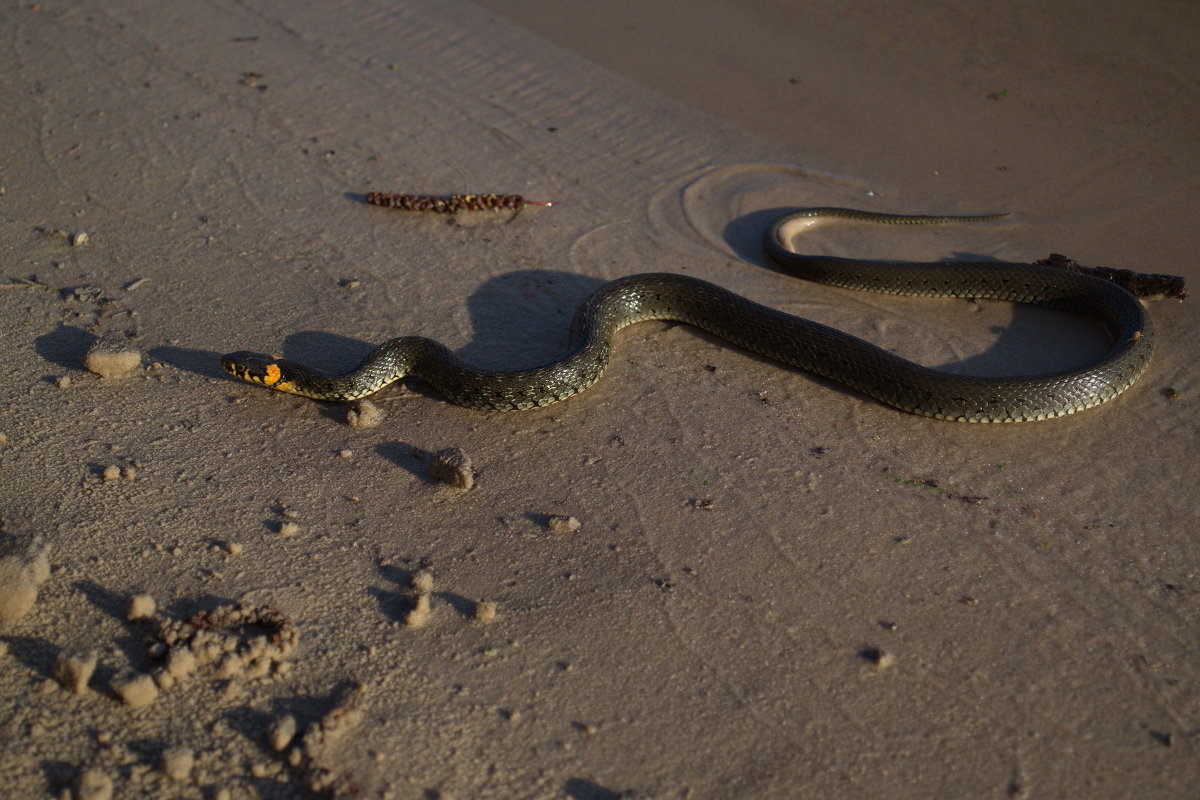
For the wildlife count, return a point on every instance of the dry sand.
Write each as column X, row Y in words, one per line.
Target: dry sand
column 775, row 587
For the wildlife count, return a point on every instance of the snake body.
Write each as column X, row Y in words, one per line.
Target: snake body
column 783, row 337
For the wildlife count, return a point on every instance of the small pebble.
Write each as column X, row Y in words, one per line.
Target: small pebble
column 141, row 606
column 485, row 611
column 562, row 524
column 94, row 784
column 109, row 357
column 346, row 454
column 78, row 238
column 177, row 763
column 234, row 548
column 452, row 467
column 137, row 691
column 288, row 529
column 364, row 414
column 63, row 381
column 74, row 670
column 111, row 472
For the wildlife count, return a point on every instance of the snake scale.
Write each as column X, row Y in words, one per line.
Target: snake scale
column 783, row 337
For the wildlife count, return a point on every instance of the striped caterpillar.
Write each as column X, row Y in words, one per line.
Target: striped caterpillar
column 452, row 204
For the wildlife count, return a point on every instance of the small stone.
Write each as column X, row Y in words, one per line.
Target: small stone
column 485, row 611
column 128, row 473
column 141, row 606
column 111, row 473
column 347, row 454
column 63, row 381
column 74, row 670
column 78, row 238
column 235, row 548
column 137, row 691
column 288, row 529
column 109, row 357
column 94, row 784
column 281, row 733
column 558, row 523
column 177, row 763
column 365, row 414
column 18, row 589
column 422, row 581
column 452, row 467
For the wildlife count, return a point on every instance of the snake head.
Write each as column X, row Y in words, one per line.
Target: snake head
column 257, row 368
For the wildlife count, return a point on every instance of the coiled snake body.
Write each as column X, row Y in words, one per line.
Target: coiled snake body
column 789, row 339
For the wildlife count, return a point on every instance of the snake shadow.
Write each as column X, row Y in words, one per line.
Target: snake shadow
column 520, row 319
column 1035, row 340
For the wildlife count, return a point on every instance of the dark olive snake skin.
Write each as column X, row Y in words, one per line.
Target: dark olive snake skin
column 789, row 339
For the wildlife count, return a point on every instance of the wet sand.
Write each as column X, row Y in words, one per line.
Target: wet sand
column 707, row 576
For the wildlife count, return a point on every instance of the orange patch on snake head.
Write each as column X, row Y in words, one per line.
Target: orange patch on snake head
column 272, row 375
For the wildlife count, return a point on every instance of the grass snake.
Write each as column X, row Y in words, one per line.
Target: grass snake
column 783, row 337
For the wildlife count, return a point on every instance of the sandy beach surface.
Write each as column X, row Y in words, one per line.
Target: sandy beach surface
column 708, row 576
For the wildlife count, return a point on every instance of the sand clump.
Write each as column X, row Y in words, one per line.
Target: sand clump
column 24, row 566
column 310, row 755
column 421, row 584
column 558, row 523
column 453, row 467
column 110, row 357
column 236, row 641
column 365, row 414
column 486, row 611
column 232, row 642
column 177, row 763
column 420, row 614
column 421, row 581
column 136, row 690
column 94, row 784
column 878, row 658
column 141, row 606
column 74, row 670
column 281, row 733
